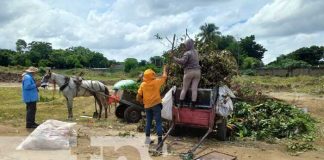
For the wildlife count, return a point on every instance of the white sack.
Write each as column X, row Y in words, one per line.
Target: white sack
column 51, row 134
column 167, row 103
column 224, row 103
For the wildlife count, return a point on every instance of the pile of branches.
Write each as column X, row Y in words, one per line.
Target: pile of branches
column 270, row 119
column 217, row 67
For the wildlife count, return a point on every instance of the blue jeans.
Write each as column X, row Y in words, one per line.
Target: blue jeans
column 155, row 112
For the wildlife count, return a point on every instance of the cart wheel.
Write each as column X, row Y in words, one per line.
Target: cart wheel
column 132, row 114
column 222, row 130
column 120, row 109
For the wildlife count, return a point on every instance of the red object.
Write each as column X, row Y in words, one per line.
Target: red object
column 112, row 99
column 202, row 118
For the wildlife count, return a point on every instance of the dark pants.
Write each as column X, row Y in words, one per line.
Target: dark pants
column 30, row 114
column 156, row 113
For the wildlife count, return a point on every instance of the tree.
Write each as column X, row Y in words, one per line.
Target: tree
column 251, row 63
column 38, row 51
column 301, row 57
column 225, row 42
column 130, row 63
column 20, row 45
column 209, row 32
column 287, row 63
column 157, row 61
column 251, row 48
column 311, row 55
column 142, row 63
column 6, row 57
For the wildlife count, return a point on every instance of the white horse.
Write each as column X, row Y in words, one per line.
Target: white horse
column 86, row 88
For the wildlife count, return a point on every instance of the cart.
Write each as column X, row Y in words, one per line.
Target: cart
column 128, row 108
column 202, row 116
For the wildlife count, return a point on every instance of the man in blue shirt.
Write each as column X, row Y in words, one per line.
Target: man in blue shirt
column 30, row 95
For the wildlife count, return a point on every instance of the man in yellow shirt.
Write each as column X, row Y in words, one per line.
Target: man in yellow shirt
column 149, row 94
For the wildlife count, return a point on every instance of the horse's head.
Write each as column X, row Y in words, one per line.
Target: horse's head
column 46, row 79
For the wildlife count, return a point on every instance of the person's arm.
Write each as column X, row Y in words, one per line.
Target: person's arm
column 28, row 83
column 139, row 96
column 183, row 60
column 161, row 80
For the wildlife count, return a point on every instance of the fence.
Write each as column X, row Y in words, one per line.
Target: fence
column 314, row 71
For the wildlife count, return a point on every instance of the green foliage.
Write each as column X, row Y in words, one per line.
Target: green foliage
column 302, row 57
column 220, row 63
column 300, row 146
column 287, row 63
column 130, row 63
column 251, row 63
column 271, row 119
column 131, row 88
column 41, row 54
column 6, row 57
column 20, row 45
column 142, row 63
column 251, row 48
column 45, row 99
column 41, row 71
column 249, row 72
column 157, row 61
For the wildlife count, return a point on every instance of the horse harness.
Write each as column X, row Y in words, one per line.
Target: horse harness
column 66, row 83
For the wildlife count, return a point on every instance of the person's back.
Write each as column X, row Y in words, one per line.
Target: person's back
column 150, row 88
column 149, row 94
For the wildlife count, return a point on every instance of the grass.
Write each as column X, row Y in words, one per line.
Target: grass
column 301, row 84
column 13, row 110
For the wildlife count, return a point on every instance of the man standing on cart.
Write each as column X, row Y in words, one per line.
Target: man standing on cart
column 192, row 73
column 149, row 94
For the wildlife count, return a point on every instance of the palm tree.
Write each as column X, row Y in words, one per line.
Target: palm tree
column 209, row 32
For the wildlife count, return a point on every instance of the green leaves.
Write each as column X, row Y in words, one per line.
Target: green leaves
column 271, row 119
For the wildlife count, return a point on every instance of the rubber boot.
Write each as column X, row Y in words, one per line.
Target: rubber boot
column 193, row 104
column 181, row 103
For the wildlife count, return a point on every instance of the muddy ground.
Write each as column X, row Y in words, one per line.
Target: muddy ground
column 244, row 150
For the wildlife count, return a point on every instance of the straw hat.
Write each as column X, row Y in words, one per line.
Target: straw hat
column 32, row 69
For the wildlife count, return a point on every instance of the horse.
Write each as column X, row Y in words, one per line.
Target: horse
column 74, row 88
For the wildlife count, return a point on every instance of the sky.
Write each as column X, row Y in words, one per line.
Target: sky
column 125, row 28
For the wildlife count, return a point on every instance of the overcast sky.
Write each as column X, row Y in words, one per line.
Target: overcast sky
column 125, row 28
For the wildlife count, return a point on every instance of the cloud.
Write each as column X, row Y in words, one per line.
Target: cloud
column 126, row 28
column 284, row 18
column 284, row 26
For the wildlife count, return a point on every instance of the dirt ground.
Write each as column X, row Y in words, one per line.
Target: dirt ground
column 244, row 150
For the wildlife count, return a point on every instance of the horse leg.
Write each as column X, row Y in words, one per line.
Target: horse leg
column 69, row 107
column 105, row 104
column 98, row 99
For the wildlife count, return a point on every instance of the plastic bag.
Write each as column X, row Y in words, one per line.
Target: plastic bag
column 122, row 83
column 167, row 103
column 224, row 103
column 51, row 134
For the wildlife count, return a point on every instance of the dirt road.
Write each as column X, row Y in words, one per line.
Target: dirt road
column 244, row 150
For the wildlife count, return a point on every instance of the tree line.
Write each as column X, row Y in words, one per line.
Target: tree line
column 41, row 54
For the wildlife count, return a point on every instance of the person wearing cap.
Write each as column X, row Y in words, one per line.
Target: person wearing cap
column 149, row 94
column 30, row 95
column 192, row 73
